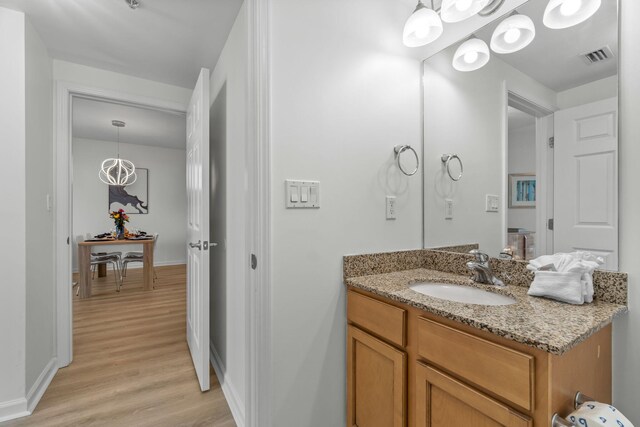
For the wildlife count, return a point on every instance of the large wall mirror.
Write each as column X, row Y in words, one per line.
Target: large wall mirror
column 521, row 152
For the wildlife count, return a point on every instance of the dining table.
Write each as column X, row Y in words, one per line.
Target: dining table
column 84, row 261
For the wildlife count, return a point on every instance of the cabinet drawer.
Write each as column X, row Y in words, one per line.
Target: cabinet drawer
column 443, row 401
column 382, row 319
column 507, row 373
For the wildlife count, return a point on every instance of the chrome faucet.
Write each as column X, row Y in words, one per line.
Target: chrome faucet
column 482, row 269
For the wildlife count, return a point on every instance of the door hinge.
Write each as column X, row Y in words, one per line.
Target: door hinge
column 254, row 261
column 67, row 240
column 550, row 223
column 552, row 142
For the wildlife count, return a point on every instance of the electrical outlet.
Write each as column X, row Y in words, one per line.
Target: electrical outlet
column 448, row 209
column 492, row 203
column 391, row 207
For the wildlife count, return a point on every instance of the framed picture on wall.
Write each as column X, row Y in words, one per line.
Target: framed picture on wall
column 134, row 198
column 522, row 190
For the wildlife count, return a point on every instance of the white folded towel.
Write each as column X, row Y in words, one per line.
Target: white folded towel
column 562, row 286
column 581, row 263
column 596, row 414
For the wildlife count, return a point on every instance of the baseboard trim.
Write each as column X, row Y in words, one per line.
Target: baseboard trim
column 12, row 409
column 229, row 391
column 136, row 265
column 40, row 386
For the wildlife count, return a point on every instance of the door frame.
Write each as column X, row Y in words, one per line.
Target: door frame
column 544, row 171
column 259, row 380
column 65, row 92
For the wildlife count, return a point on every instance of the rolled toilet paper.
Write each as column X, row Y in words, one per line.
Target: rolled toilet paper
column 596, row 414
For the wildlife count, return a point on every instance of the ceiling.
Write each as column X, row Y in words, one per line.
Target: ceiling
column 92, row 120
column 554, row 56
column 163, row 40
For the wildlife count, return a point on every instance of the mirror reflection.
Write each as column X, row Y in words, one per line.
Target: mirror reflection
column 520, row 143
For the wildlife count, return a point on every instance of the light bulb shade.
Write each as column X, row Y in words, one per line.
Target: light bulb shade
column 471, row 55
column 513, row 34
column 117, row 172
column 422, row 27
column 459, row 10
column 567, row 13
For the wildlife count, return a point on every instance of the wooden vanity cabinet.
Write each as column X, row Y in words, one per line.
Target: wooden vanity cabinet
column 407, row 367
column 376, row 382
column 376, row 370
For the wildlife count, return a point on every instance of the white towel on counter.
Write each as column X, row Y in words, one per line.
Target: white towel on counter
column 552, row 278
column 596, row 414
column 562, row 286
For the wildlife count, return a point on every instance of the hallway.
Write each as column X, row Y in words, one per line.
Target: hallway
column 131, row 363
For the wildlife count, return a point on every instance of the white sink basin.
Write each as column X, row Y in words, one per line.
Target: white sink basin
column 460, row 293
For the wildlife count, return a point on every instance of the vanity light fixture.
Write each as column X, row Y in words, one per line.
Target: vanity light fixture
column 471, row 55
column 513, row 34
column 117, row 171
column 459, row 10
column 422, row 27
column 567, row 13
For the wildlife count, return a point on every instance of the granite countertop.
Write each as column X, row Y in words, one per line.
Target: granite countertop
column 549, row 325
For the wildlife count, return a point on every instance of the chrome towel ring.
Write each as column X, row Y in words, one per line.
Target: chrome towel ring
column 446, row 159
column 398, row 150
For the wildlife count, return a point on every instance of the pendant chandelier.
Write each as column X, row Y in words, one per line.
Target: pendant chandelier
column 117, row 171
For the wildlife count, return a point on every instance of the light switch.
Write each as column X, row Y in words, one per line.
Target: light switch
column 492, row 203
column 302, row 194
column 293, row 194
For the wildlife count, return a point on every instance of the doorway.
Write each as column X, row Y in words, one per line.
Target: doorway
column 67, row 95
column 529, row 179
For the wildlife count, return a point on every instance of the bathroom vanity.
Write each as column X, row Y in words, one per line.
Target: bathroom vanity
column 519, row 156
column 416, row 360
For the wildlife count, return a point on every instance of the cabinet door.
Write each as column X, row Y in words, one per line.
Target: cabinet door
column 442, row 401
column 376, row 382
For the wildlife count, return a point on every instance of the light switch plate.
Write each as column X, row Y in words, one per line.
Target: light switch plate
column 302, row 194
column 448, row 209
column 492, row 203
column 391, row 207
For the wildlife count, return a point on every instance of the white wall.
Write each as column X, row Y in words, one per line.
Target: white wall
column 40, row 273
column 465, row 114
column 590, row 92
column 12, row 213
column 626, row 339
column 522, row 159
column 344, row 92
column 95, row 77
column 228, row 139
column 167, row 196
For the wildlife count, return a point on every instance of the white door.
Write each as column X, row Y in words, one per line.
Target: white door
column 586, row 180
column 198, row 228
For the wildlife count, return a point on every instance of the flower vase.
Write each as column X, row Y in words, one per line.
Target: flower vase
column 120, row 232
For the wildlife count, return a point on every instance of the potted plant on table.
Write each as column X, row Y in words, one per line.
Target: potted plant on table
column 119, row 218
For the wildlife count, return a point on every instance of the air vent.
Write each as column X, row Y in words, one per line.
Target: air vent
column 599, row 55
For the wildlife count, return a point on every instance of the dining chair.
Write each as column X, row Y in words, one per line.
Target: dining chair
column 89, row 236
column 112, row 258
column 139, row 257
